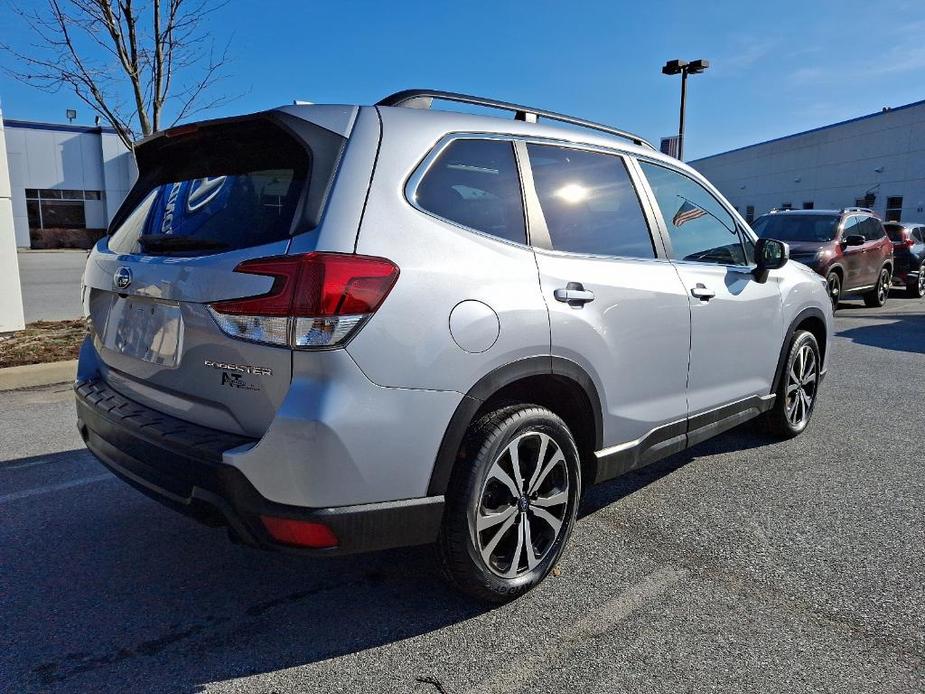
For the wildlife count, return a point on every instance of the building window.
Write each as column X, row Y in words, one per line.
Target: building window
column 894, row 208
column 58, row 209
column 749, row 213
column 808, row 205
column 787, row 206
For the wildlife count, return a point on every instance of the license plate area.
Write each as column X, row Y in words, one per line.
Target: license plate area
column 144, row 329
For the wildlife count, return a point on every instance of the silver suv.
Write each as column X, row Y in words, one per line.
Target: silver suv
column 344, row 328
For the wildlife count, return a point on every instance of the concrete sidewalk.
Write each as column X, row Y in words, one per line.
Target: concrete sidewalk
column 31, row 375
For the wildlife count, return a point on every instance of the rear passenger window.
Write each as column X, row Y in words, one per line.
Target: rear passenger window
column 475, row 183
column 589, row 202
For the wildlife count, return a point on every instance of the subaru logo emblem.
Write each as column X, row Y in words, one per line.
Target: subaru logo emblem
column 122, row 278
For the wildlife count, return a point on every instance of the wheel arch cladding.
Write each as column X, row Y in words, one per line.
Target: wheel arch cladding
column 559, row 384
column 811, row 319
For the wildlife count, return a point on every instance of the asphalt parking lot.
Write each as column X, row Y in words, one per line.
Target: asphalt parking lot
column 50, row 282
column 740, row 565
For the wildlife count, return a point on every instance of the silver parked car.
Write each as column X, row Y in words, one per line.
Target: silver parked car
column 346, row 328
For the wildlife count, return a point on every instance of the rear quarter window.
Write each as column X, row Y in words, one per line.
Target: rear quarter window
column 475, row 183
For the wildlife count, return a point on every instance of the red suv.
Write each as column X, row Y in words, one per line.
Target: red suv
column 848, row 247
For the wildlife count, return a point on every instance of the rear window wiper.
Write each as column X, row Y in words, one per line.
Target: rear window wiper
column 171, row 242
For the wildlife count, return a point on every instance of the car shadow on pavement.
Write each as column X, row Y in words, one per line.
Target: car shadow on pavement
column 741, row 438
column 106, row 590
column 900, row 332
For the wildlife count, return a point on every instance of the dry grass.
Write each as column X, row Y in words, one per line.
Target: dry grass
column 41, row 342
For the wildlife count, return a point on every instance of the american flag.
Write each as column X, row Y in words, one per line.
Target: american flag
column 686, row 213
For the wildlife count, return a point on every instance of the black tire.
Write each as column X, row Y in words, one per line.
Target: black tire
column 916, row 288
column 878, row 296
column 833, row 285
column 476, row 491
column 782, row 420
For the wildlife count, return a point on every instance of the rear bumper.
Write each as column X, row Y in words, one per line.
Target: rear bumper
column 180, row 465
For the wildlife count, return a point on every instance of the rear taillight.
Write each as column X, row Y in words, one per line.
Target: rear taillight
column 317, row 300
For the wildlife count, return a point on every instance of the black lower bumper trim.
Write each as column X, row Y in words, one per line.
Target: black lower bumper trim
column 179, row 464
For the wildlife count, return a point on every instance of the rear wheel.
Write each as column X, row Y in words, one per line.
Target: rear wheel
column 878, row 296
column 511, row 503
column 916, row 288
column 833, row 283
column 796, row 394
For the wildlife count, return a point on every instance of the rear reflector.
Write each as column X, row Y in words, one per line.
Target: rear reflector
column 317, row 300
column 290, row 531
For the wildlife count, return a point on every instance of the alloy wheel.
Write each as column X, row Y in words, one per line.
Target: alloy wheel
column 883, row 287
column 523, row 505
column 801, row 386
column 834, row 286
column 922, row 280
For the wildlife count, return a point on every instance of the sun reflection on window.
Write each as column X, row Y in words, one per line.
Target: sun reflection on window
column 572, row 193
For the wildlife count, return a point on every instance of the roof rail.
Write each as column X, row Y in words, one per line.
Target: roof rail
column 422, row 98
column 859, row 209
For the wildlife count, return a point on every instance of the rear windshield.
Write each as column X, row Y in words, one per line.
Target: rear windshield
column 223, row 188
column 796, row 227
column 895, row 232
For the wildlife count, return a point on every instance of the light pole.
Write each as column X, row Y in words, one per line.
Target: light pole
column 684, row 68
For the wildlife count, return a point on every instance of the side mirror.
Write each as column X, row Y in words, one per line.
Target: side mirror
column 770, row 254
column 853, row 240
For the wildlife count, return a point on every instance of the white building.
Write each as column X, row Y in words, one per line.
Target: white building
column 64, row 177
column 875, row 161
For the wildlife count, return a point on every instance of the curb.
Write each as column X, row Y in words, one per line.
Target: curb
column 31, row 375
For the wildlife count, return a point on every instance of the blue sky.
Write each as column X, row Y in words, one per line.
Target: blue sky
column 777, row 67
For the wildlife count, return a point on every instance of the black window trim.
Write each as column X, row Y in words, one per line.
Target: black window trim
column 742, row 228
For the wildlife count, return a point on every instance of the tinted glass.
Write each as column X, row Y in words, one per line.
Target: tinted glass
column 872, row 229
column 699, row 227
column 219, row 189
column 589, row 203
column 749, row 248
column 895, row 232
column 475, row 183
column 919, row 234
column 796, row 227
column 32, row 211
column 852, row 227
column 63, row 214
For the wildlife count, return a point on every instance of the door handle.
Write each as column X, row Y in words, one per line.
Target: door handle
column 574, row 295
column 701, row 292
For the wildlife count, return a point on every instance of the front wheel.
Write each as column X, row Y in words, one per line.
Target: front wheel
column 878, row 296
column 511, row 503
column 799, row 384
column 833, row 284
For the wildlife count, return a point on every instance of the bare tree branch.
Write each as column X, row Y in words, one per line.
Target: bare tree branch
column 155, row 55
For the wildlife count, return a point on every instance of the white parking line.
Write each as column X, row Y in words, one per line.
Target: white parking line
column 43, row 461
column 26, row 493
column 620, row 607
